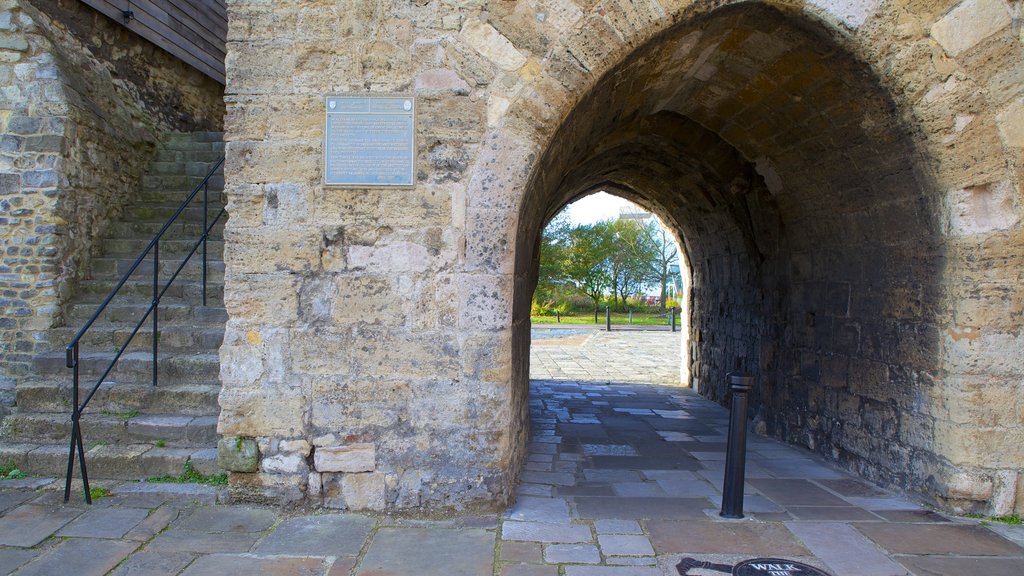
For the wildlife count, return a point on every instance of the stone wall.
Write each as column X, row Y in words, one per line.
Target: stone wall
column 84, row 104
column 845, row 177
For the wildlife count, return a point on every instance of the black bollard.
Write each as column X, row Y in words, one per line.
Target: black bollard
column 673, row 313
column 736, row 451
column 608, row 318
column 558, row 315
column 595, row 315
column 630, row 316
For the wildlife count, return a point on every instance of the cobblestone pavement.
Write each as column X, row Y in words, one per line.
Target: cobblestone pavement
column 620, row 480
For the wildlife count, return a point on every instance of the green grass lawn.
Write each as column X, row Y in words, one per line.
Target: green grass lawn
column 617, row 318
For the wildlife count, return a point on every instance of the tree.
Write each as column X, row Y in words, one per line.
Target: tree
column 586, row 263
column 629, row 261
column 553, row 244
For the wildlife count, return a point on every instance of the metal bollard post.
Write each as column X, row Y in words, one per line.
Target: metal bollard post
column 558, row 315
column 630, row 316
column 608, row 318
column 673, row 314
column 595, row 315
column 736, row 450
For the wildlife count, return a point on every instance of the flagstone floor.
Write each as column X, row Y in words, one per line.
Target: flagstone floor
column 622, row 479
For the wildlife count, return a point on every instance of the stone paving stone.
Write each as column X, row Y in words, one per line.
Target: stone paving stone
column 611, row 571
column 554, row 478
column 326, row 535
column 153, row 524
column 590, row 489
column 611, row 475
column 711, row 537
column 833, row 513
column 952, row 566
column 147, row 563
column 11, row 558
column 104, row 523
column 678, row 461
column 342, row 567
column 796, row 493
column 541, row 532
column 888, row 503
column 939, row 539
column 426, row 552
column 851, row 487
column 533, row 509
column 618, row 527
column 211, row 519
column 534, row 490
column 30, row 524
column 638, row 489
column 13, row 498
column 235, row 565
column 88, row 557
column 636, row 508
column 911, row 516
column 184, row 493
column 686, row 488
column 572, row 554
column 632, row 560
column 624, row 545
column 801, row 468
column 131, row 500
column 845, row 550
column 521, row 552
column 528, row 570
column 201, row 542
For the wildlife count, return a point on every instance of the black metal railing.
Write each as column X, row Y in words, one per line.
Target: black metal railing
column 152, row 313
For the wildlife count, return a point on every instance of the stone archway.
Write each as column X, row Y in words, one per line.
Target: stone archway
column 845, row 176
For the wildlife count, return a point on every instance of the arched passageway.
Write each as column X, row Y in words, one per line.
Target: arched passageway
column 809, row 224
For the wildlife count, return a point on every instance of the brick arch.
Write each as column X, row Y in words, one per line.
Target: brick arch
column 836, row 222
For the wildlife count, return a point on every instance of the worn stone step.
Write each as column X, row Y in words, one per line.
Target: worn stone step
column 187, row 166
column 180, row 338
column 114, row 267
column 195, row 368
column 163, row 211
column 132, row 247
column 170, row 430
column 168, row 397
column 147, row 229
column 141, row 290
column 183, row 183
column 129, row 311
column 115, row 461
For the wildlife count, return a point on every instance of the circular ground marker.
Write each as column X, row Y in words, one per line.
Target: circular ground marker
column 775, row 567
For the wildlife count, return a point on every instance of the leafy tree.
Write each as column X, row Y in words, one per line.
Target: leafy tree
column 585, row 267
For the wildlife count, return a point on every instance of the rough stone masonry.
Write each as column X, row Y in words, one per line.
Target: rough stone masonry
column 844, row 176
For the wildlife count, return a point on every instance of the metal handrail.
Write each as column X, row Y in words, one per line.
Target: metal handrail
column 71, row 352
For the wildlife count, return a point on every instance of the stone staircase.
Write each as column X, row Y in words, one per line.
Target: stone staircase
column 132, row 429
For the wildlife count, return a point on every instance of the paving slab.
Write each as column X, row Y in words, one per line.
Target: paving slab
column 635, row 508
column 521, row 552
column 968, row 540
column 29, row 524
column 791, row 492
column 534, row 509
column 326, row 535
column 12, row 558
column 529, row 570
column 151, row 563
column 845, row 550
column 624, row 545
column 201, row 542
column 14, row 497
column 104, row 523
column 214, row 519
column 611, row 571
column 428, row 552
column 713, row 537
column 236, row 565
column 953, row 566
column 617, row 527
column 89, row 557
column 543, row 532
column 572, row 553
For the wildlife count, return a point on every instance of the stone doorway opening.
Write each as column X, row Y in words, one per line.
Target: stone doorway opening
column 804, row 212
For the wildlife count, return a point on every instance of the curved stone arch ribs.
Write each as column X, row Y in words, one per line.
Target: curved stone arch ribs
column 889, row 38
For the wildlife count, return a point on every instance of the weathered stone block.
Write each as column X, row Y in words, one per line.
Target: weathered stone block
column 970, row 23
column 351, row 458
column 237, row 454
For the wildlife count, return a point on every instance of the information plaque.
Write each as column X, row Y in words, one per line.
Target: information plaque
column 370, row 141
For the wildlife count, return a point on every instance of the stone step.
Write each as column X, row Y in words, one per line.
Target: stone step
column 132, row 247
column 169, row 397
column 187, row 166
column 179, row 339
column 113, row 267
column 169, row 430
column 147, row 229
column 162, row 211
column 132, row 367
column 125, row 311
column 183, row 183
column 181, row 291
column 115, row 461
